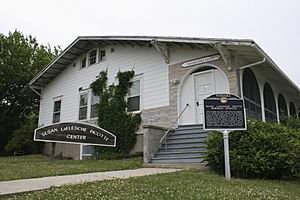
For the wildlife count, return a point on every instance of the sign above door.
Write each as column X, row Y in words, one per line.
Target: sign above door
column 201, row 60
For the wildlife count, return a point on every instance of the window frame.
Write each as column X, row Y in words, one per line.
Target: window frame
column 56, row 112
column 100, row 57
column 82, row 155
column 86, row 58
column 85, row 62
column 85, row 92
column 95, row 59
column 89, row 104
column 138, row 77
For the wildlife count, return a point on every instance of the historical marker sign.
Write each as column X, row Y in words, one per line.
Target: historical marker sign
column 224, row 112
column 75, row 133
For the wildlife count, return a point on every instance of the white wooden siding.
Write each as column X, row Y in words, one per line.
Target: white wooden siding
column 145, row 61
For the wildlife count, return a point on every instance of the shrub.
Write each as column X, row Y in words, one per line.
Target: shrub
column 22, row 138
column 291, row 122
column 263, row 151
column 112, row 114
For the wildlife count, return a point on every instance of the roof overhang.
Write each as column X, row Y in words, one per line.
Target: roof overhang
column 247, row 50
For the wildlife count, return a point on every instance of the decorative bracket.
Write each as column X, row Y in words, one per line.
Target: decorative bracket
column 34, row 89
column 162, row 50
column 226, row 55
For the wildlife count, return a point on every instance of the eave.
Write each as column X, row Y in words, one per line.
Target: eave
column 247, row 50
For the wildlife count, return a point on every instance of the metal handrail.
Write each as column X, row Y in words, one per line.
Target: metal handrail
column 172, row 124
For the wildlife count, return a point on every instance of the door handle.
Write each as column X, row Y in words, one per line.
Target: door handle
column 197, row 103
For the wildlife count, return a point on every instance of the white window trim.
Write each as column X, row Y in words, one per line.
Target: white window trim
column 98, row 55
column 55, row 99
column 81, row 151
column 87, row 56
column 86, row 62
column 89, row 104
column 136, row 78
column 82, row 92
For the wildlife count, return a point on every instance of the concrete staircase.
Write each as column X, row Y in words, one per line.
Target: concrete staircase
column 184, row 146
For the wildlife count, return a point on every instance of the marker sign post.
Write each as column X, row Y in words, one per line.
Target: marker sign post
column 224, row 113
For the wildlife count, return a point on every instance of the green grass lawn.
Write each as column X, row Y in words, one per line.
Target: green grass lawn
column 191, row 184
column 22, row 167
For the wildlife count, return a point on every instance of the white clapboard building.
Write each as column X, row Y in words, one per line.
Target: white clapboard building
column 172, row 77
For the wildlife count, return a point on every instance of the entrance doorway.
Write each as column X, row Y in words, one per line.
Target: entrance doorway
column 204, row 87
column 197, row 84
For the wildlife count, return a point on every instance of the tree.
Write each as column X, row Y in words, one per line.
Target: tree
column 21, row 58
column 22, row 138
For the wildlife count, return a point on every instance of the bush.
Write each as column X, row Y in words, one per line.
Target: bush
column 263, row 151
column 22, row 138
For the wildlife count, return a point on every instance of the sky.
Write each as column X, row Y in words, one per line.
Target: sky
column 273, row 24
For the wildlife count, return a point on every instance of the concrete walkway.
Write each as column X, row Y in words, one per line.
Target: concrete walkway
column 26, row 185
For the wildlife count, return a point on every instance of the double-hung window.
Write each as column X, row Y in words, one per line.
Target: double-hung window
column 134, row 96
column 88, row 105
column 94, row 102
column 101, row 55
column 83, row 62
column 56, row 111
column 92, row 57
column 83, row 106
column 87, row 110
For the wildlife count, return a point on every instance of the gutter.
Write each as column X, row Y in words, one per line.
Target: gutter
column 275, row 66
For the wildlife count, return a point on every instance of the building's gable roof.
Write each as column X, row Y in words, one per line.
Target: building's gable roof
column 248, row 50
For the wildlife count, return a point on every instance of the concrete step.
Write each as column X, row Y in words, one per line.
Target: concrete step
column 190, row 159
column 178, row 154
column 185, row 140
column 201, row 166
column 185, row 136
column 183, row 145
column 182, row 149
column 191, row 126
column 188, row 131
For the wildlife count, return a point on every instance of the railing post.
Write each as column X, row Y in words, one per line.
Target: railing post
column 172, row 126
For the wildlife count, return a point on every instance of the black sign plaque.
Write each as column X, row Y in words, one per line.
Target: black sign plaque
column 75, row 133
column 224, row 112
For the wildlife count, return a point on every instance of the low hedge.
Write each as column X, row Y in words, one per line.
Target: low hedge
column 263, row 151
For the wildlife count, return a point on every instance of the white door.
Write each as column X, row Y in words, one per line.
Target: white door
column 204, row 87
